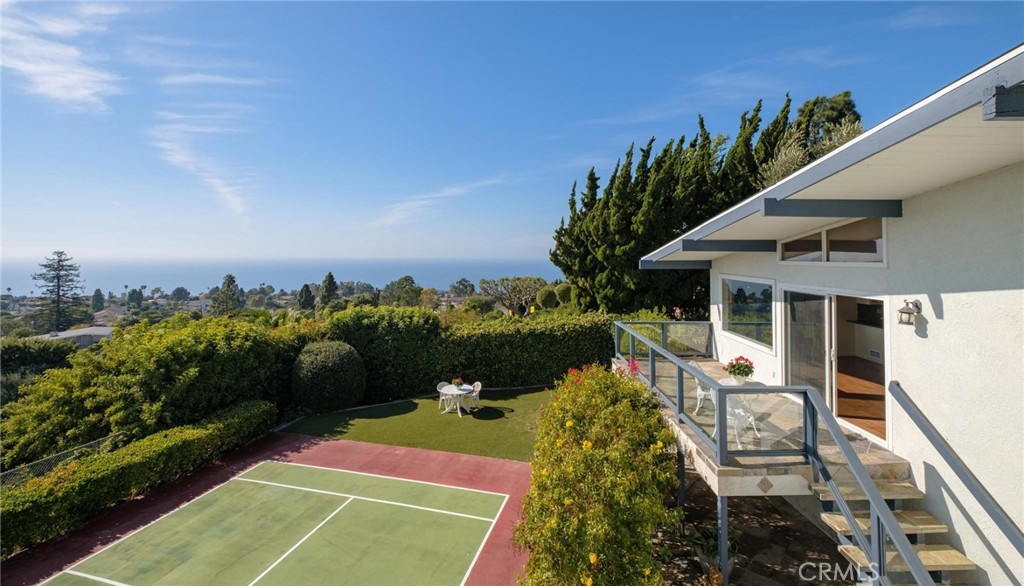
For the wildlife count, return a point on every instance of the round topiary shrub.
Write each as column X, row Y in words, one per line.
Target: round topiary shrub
column 328, row 376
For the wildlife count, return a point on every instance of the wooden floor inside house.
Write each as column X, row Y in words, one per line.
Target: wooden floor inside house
column 860, row 393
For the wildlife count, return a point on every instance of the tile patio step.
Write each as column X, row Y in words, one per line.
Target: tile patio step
column 936, row 558
column 911, row 522
column 851, row 491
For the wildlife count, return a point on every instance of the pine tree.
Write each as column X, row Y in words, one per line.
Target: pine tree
column 97, row 300
column 60, row 282
column 328, row 290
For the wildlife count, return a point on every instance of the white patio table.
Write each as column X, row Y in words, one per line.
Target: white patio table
column 453, row 397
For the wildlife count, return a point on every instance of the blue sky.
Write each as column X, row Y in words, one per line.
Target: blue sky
column 249, row 130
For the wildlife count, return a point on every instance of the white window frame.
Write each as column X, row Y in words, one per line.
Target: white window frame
column 722, row 278
column 884, row 263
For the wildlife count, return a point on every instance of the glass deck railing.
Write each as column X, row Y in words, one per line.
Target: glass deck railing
column 756, row 420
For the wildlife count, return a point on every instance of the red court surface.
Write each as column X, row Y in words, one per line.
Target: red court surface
column 499, row 562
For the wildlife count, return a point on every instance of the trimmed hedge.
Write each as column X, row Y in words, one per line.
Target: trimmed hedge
column 601, row 471
column 53, row 504
column 522, row 352
column 146, row 378
column 399, row 346
column 35, row 354
column 328, row 376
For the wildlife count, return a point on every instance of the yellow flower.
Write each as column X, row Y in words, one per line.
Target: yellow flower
column 647, row 571
column 587, row 581
column 569, row 423
column 587, row 444
column 660, row 445
column 593, row 558
column 567, row 501
column 544, row 472
column 558, row 443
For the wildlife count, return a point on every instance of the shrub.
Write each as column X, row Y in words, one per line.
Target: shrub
column 146, row 378
column 564, row 293
column 328, row 376
column 21, row 359
column 399, row 347
column 51, row 505
column 480, row 304
column 547, row 298
column 35, row 354
column 601, row 471
column 522, row 352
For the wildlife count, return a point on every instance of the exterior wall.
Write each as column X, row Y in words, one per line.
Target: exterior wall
column 960, row 251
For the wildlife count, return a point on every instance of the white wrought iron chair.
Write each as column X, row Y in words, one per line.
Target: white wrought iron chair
column 702, row 393
column 474, row 396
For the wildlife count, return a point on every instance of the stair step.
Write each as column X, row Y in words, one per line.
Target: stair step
column 851, row 491
column 911, row 522
column 936, row 558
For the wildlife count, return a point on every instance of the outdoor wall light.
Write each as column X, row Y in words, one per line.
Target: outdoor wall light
column 908, row 311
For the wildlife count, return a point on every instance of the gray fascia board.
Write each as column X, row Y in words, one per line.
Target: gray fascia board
column 675, row 265
column 728, row 245
column 667, row 249
column 832, row 208
column 898, row 128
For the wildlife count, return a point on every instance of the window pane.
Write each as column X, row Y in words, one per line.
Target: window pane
column 860, row 241
column 747, row 310
column 807, row 248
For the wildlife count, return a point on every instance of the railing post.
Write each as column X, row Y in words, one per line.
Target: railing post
column 632, row 346
column 618, row 338
column 877, row 558
column 650, row 356
column 664, row 335
column 679, row 391
column 721, row 425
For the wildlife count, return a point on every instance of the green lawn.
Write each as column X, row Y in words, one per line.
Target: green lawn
column 503, row 427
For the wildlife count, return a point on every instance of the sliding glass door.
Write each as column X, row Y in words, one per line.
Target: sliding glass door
column 808, row 346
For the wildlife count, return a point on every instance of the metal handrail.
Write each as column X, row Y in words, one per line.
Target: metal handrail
column 996, row 512
column 883, row 522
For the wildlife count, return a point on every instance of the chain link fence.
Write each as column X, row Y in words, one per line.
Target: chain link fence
column 21, row 474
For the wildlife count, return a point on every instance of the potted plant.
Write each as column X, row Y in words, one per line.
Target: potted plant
column 457, row 381
column 740, row 368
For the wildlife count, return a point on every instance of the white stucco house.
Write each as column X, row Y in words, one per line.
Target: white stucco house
column 919, row 220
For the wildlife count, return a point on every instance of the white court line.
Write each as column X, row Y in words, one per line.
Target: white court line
column 94, row 578
column 387, row 477
column 140, row 529
column 293, row 548
column 365, row 498
column 484, row 542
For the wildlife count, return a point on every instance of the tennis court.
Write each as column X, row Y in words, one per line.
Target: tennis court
column 287, row 523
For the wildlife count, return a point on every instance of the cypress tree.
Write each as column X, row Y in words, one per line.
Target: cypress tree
column 60, row 282
column 328, row 290
column 305, row 299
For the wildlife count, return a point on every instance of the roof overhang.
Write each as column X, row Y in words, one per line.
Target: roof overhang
column 971, row 127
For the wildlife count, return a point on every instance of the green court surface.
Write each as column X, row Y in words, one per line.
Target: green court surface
column 287, row 524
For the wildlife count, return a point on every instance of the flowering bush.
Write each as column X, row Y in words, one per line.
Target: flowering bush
column 631, row 368
column 740, row 366
column 601, row 470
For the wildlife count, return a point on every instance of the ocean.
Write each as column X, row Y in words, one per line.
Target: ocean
column 198, row 276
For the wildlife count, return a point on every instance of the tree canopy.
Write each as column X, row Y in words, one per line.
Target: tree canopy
column 228, row 298
column 653, row 196
column 514, row 293
column 402, row 291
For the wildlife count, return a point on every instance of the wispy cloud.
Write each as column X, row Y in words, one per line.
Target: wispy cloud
column 404, row 211
column 175, row 139
column 920, row 17
column 739, row 83
column 210, row 79
column 817, row 58
column 39, row 45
